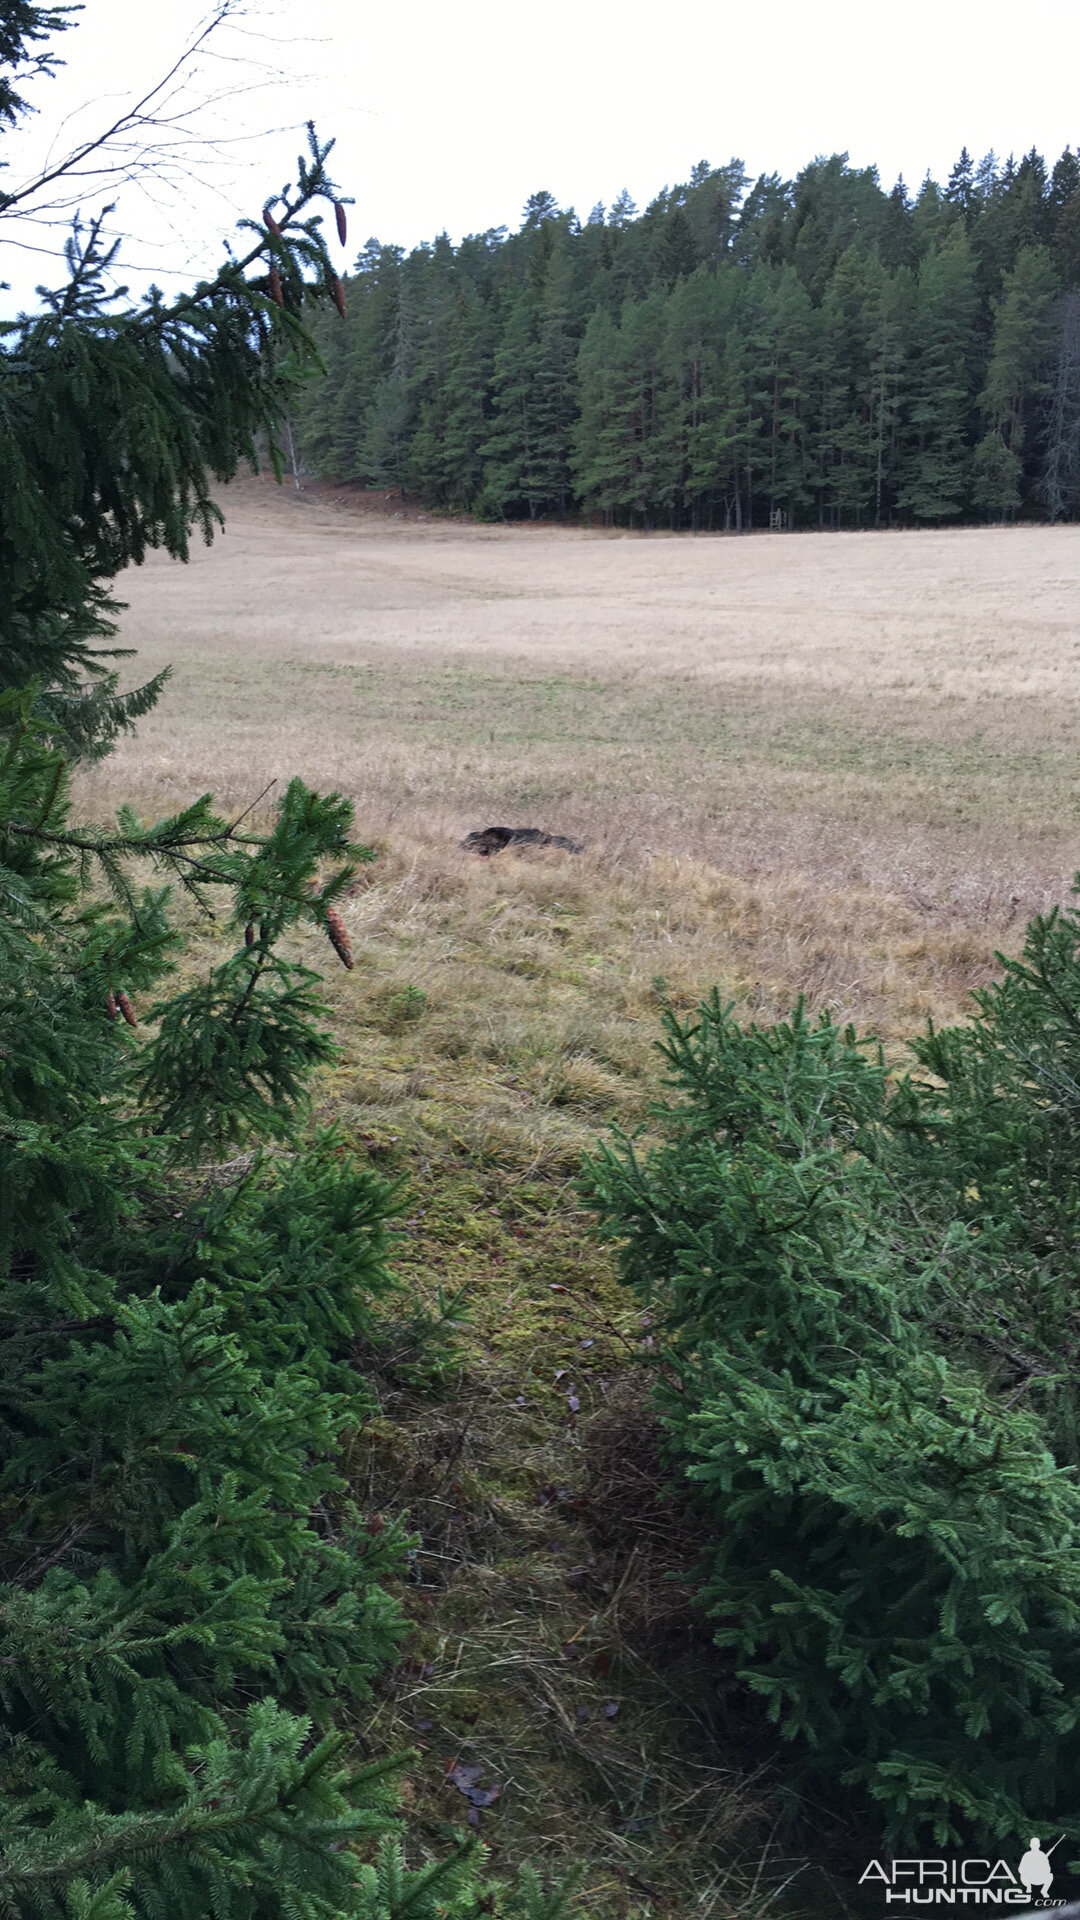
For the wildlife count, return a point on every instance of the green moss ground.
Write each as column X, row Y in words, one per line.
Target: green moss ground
column 555, row 1645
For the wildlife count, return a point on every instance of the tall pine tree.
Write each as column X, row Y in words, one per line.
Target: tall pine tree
column 935, row 482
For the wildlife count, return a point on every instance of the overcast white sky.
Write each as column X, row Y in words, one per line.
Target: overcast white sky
column 449, row 116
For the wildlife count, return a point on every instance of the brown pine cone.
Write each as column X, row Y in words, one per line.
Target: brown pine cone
column 338, row 937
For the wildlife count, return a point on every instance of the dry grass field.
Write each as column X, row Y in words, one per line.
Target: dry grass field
column 854, row 753
column 843, row 766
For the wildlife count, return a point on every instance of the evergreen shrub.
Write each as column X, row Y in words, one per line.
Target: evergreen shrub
column 192, row 1605
column 867, row 1292
column 191, row 1602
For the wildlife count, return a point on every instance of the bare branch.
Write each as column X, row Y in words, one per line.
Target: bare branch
column 150, row 112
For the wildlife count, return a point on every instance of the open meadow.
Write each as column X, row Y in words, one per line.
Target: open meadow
column 843, row 766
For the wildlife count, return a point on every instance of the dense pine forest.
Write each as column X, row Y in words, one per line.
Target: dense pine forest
column 807, row 353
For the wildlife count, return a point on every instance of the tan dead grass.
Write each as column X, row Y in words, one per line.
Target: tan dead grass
column 839, row 766
column 875, row 734
column 893, row 711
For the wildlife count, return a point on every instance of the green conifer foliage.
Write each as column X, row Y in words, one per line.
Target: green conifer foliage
column 785, row 358
column 870, row 1355
column 190, row 1597
column 467, row 386
column 191, row 1600
column 847, row 351
column 178, row 1549
column 1016, row 378
column 937, row 466
column 115, row 421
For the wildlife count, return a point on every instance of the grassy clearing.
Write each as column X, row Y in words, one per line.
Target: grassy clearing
column 892, row 712
column 843, row 768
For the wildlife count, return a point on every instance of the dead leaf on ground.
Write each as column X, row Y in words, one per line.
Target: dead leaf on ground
column 466, row 1778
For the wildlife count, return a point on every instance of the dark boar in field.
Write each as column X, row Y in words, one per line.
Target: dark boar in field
column 488, row 840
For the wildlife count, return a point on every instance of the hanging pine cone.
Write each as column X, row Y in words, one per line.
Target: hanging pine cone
column 338, row 292
column 338, row 937
column 339, row 215
column 275, row 287
column 271, row 223
column 249, row 934
column 126, row 1009
column 110, row 1005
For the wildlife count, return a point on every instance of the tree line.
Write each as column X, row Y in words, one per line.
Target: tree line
column 806, row 353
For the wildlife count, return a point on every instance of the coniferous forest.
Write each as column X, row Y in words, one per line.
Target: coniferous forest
column 807, row 353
